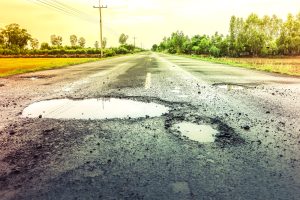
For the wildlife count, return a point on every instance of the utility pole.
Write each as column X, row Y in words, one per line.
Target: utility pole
column 101, row 37
column 134, row 38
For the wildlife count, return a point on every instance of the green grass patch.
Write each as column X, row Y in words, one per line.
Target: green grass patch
column 12, row 66
column 286, row 65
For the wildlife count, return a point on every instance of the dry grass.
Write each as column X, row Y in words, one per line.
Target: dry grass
column 286, row 65
column 12, row 66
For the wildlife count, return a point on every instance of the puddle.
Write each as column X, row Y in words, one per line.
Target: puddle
column 229, row 87
column 199, row 133
column 104, row 108
column 182, row 96
column 33, row 78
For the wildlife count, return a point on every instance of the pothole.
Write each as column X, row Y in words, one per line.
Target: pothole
column 33, row 78
column 2, row 85
column 200, row 133
column 230, row 87
column 104, row 108
column 201, row 129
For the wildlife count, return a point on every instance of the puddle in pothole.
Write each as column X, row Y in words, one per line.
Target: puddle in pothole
column 229, row 87
column 33, row 78
column 200, row 133
column 104, row 108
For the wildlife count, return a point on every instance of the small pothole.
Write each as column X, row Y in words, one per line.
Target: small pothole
column 33, row 78
column 2, row 85
column 103, row 108
column 201, row 129
column 229, row 87
column 201, row 133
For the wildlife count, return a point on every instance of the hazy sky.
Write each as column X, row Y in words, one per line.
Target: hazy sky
column 148, row 20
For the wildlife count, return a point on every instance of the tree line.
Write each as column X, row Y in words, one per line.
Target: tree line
column 15, row 40
column 253, row 36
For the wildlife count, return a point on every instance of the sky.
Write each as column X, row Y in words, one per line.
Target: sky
column 148, row 20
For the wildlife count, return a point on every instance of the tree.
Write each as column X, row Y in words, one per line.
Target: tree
column 2, row 40
column 123, row 39
column 96, row 45
column 232, row 35
column 81, row 42
column 104, row 43
column 14, row 36
column 56, row 40
column 254, row 34
column 45, row 46
column 177, row 40
column 34, row 43
column 73, row 40
column 154, row 47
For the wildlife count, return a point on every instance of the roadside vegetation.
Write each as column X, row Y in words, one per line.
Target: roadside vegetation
column 249, row 43
column 17, row 42
column 12, row 66
column 286, row 65
column 21, row 53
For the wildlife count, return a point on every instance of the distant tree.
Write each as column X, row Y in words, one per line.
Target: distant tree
column 2, row 40
column 104, row 43
column 154, row 47
column 45, row 46
column 96, row 45
column 82, row 42
column 123, row 39
column 34, row 43
column 232, row 35
column 255, row 36
column 73, row 40
column 13, row 36
column 56, row 40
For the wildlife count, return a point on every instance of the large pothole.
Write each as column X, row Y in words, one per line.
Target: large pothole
column 103, row 108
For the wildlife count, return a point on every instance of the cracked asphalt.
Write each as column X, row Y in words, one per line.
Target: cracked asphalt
column 255, row 155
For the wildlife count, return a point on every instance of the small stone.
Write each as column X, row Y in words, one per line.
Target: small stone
column 11, row 132
column 246, row 128
column 40, row 116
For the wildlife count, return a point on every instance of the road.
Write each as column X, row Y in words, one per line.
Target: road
column 255, row 154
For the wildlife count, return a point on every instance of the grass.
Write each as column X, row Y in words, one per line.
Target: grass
column 285, row 65
column 12, row 66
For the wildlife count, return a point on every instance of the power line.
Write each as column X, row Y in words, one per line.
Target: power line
column 70, row 8
column 70, row 11
column 64, row 9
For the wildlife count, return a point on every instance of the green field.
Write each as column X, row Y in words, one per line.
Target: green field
column 12, row 66
column 285, row 65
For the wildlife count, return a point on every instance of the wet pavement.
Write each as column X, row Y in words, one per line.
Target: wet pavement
column 150, row 126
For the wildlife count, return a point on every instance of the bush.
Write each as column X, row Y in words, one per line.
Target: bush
column 109, row 52
column 215, row 51
column 122, row 50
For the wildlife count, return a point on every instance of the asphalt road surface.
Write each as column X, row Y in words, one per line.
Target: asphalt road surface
column 255, row 154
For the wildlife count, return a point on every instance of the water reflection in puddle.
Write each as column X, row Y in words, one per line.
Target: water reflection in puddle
column 105, row 108
column 199, row 133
